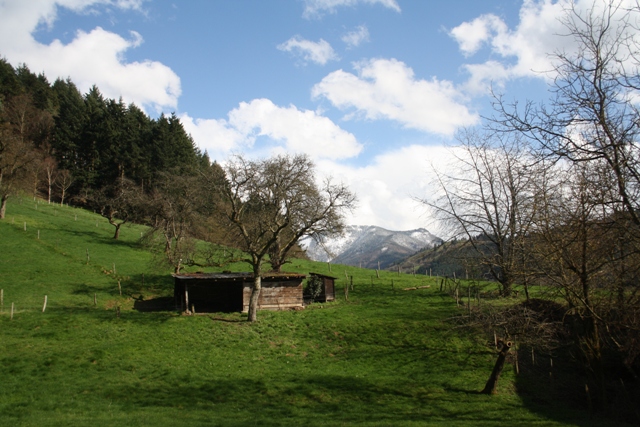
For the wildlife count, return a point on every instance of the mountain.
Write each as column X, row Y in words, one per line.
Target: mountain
column 365, row 246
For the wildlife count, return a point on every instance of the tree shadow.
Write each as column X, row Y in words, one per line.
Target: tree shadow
column 551, row 386
column 155, row 304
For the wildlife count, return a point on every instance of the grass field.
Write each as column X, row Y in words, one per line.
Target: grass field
column 385, row 357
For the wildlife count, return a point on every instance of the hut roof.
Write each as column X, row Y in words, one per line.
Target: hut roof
column 323, row 275
column 237, row 277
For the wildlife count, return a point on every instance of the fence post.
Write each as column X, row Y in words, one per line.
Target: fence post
column 44, row 306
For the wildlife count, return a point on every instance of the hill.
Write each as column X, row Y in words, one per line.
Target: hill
column 446, row 259
column 366, row 246
column 384, row 356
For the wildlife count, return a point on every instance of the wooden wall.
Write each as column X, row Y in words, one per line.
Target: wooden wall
column 275, row 295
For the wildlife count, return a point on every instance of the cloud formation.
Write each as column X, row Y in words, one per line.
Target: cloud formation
column 527, row 50
column 286, row 128
column 319, row 52
column 316, row 8
column 95, row 57
column 387, row 89
column 388, row 186
column 356, row 37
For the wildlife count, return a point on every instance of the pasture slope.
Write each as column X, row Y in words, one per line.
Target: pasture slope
column 385, row 357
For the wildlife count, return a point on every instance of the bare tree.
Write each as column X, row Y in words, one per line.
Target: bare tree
column 269, row 204
column 593, row 115
column 173, row 210
column 118, row 203
column 587, row 234
column 318, row 213
column 19, row 122
column 50, row 167
column 64, row 181
column 489, row 200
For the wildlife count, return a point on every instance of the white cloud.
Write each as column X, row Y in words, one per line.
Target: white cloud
column 316, row 8
column 286, row 128
column 356, row 37
column 215, row 136
column 319, row 52
column 472, row 35
column 388, row 186
column 95, row 57
column 300, row 130
column 388, row 89
column 527, row 50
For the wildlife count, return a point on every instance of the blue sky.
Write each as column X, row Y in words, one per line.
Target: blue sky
column 372, row 90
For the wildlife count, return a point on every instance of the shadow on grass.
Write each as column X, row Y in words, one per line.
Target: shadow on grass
column 155, row 304
column 99, row 237
column 545, row 386
column 308, row 400
column 88, row 290
column 151, row 284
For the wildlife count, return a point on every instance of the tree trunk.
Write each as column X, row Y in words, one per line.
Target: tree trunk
column 116, row 235
column 255, row 296
column 506, row 285
column 492, row 383
column 3, row 205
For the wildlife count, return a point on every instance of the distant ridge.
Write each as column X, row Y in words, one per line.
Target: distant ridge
column 366, row 245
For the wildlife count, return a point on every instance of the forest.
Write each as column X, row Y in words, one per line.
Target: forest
column 96, row 153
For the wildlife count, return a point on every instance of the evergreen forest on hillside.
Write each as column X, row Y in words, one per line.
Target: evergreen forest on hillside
column 92, row 138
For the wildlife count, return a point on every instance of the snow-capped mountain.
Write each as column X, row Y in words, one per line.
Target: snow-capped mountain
column 365, row 246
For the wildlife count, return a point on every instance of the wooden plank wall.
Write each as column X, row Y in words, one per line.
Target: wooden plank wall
column 275, row 295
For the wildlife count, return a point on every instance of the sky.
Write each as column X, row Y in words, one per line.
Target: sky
column 374, row 91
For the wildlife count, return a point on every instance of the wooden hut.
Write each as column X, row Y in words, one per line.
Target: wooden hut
column 228, row 292
column 328, row 288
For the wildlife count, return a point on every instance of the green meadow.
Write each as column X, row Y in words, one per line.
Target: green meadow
column 385, row 357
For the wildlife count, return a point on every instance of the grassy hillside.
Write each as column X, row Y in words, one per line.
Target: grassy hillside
column 385, row 357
